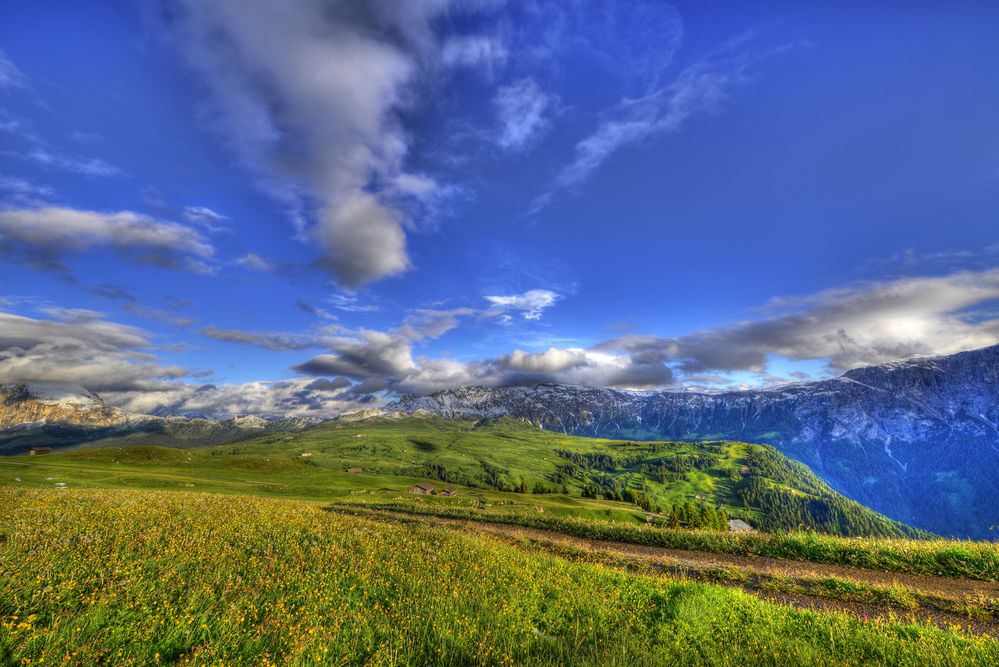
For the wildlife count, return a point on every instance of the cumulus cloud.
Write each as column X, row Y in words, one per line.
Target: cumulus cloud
column 363, row 239
column 52, row 231
column 522, row 111
column 864, row 324
column 294, row 397
column 432, row 323
column 370, row 355
column 530, row 305
column 79, row 347
column 252, row 260
column 552, row 360
column 309, row 93
column 860, row 324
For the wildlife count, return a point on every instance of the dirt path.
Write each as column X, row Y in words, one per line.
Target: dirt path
column 941, row 600
column 702, row 560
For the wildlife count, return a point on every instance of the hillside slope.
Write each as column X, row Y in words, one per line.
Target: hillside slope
column 687, row 483
column 143, row 578
column 916, row 440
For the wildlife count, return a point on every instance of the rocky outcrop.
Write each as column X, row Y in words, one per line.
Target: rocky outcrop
column 23, row 406
column 60, row 416
column 917, row 440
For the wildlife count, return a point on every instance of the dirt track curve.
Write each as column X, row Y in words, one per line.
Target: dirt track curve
column 941, row 599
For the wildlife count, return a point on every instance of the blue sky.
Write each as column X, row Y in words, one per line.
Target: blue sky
column 307, row 207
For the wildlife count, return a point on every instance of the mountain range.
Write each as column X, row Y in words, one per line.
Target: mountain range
column 61, row 415
column 917, row 440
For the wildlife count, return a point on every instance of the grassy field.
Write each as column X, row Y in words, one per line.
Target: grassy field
column 107, row 576
column 951, row 558
column 484, row 462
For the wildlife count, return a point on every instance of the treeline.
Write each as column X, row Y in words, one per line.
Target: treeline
column 668, row 469
column 691, row 515
column 817, row 508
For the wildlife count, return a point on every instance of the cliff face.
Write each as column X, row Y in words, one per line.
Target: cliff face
column 916, row 440
column 27, row 407
column 60, row 416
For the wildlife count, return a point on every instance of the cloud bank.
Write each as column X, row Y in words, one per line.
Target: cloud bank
column 864, row 323
column 49, row 232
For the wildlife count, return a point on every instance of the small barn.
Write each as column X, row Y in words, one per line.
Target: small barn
column 38, row 451
column 449, row 492
column 740, row 526
column 422, row 488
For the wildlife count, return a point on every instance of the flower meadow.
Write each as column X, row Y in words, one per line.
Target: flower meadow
column 963, row 559
column 121, row 577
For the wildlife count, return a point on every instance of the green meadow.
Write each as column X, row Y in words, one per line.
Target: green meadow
column 488, row 464
column 145, row 577
column 294, row 548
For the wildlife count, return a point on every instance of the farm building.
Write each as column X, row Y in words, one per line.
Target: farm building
column 423, row 488
column 740, row 526
column 448, row 492
column 38, row 451
column 353, row 470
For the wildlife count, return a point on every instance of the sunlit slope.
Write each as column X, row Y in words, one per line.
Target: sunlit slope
column 501, row 462
column 145, row 577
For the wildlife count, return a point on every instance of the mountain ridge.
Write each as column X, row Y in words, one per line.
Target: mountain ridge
column 916, row 439
column 49, row 414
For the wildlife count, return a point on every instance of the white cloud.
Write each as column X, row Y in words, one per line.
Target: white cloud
column 700, row 89
column 252, row 260
column 23, row 190
column 867, row 323
column 55, row 230
column 431, row 323
column 78, row 347
column 349, row 303
column 474, row 51
column 368, row 355
column 295, row 397
column 552, row 360
column 10, row 75
column 207, row 218
column 309, row 93
column 530, row 304
column 856, row 325
column 52, row 159
column 522, row 110
column 363, row 239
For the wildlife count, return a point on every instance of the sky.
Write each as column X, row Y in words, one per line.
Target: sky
column 304, row 207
